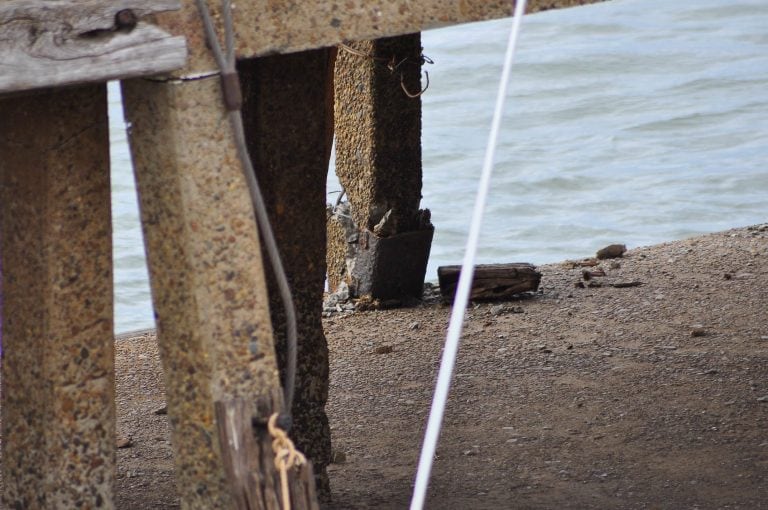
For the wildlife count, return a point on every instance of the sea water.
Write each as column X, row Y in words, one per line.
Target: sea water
column 629, row 121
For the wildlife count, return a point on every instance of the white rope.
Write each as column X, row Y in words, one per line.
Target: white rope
column 465, row 280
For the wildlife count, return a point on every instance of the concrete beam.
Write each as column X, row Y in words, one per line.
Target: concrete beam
column 265, row 27
column 58, row 365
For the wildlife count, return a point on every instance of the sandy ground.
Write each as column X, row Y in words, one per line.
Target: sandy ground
column 653, row 396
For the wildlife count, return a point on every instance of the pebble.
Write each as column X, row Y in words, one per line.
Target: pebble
column 124, row 442
column 698, row 330
column 383, row 349
column 622, row 285
column 498, row 309
column 338, row 457
column 612, row 251
column 586, row 275
column 414, row 326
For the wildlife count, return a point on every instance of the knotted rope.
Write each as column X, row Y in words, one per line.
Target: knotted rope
column 286, row 457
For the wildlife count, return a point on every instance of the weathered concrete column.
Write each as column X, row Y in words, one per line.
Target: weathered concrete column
column 286, row 119
column 58, row 366
column 205, row 268
column 378, row 161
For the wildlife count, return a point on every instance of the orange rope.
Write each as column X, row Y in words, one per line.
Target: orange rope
column 286, row 457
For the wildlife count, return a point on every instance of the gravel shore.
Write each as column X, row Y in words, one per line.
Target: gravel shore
column 643, row 388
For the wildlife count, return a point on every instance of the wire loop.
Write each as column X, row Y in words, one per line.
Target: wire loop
column 393, row 65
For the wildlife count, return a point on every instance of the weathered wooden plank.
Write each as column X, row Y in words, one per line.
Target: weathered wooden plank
column 249, row 461
column 48, row 43
column 240, row 454
column 265, row 27
column 491, row 281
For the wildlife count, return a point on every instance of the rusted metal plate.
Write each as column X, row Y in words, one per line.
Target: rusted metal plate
column 390, row 267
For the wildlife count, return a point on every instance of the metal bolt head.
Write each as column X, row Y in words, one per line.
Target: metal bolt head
column 126, row 19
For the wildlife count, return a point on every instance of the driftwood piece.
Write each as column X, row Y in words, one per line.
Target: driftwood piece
column 48, row 43
column 246, row 450
column 491, row 281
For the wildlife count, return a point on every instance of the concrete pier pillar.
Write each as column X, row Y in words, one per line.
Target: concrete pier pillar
column 287, row 121
column 205, row 268
column 58, row 361
column 378, row 161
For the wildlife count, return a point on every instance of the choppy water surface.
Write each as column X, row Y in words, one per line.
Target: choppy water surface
column 633, row 121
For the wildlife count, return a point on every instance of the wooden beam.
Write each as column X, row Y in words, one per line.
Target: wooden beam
column 266, row 27
column 49, row 43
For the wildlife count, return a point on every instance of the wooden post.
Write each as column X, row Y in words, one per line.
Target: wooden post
column 249, row 460
column 58, row 360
